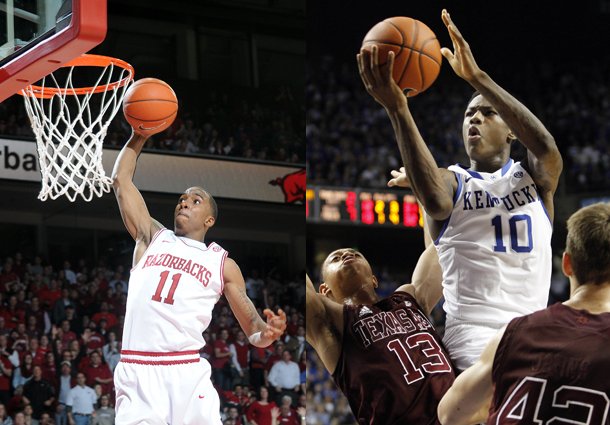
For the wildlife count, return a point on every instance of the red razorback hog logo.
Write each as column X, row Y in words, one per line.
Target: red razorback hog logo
column 292, row 185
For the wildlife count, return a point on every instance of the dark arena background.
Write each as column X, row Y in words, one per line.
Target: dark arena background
column 237, row 69
column 550, row 55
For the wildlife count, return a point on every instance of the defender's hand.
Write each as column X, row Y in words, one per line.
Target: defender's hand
column 461, row 59
column 378, row 79
column 399, row 178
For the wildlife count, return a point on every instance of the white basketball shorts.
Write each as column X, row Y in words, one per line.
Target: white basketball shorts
column 165, row 389
column 466, row 341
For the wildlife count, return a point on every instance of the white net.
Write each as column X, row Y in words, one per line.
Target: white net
column 70, row 125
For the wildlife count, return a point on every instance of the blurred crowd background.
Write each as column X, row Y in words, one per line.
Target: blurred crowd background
column 58, row 321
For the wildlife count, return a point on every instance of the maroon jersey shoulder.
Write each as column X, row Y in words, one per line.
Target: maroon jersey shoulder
column 553, row 364
column 393, row 367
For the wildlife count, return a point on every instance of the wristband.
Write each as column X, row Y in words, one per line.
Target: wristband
column 255, row 338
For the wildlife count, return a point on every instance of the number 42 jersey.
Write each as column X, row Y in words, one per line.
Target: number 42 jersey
column 172, row 291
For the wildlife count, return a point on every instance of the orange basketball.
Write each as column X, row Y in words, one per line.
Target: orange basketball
column 417, row 52
column 150, row 106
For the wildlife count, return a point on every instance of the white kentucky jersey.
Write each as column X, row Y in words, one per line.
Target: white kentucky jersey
column 172, row 291
column 495, row 248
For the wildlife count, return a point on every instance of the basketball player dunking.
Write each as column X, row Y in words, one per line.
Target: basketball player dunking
column 551, row 366
column 384, row 354
column 175, row 281
column 492, row 221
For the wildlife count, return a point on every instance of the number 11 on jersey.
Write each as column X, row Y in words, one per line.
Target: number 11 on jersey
column 170, row 296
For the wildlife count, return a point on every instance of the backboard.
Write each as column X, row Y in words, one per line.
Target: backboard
column 38, row 36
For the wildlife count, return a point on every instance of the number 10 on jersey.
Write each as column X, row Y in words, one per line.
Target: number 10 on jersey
column 513, row 236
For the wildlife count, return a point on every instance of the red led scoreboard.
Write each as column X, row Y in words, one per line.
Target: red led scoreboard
column 362, row 206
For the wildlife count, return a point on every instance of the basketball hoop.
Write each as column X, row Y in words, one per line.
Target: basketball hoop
column 70, row 124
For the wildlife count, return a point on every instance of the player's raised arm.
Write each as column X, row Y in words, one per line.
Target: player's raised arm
column 133, row 209
column 434, row 187
column 260, row 334
column 544, row 160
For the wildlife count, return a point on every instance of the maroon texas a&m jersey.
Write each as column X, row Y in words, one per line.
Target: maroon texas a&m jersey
column 393, row 368
column 553, row 366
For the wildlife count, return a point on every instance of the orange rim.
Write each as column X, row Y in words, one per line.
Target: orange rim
column 83, row 60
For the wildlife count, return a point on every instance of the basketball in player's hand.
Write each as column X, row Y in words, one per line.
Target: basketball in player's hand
column 417, row 52
column 150, row 106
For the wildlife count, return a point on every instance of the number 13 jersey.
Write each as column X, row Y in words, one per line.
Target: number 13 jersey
column 495, row 248
column 172, row 291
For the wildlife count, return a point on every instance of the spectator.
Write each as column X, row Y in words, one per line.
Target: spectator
column 45, row 419
column 80, row 402
column 60, row 305
column 237, row 398
column 240, row 357
column 286, row 415
column 66, row 382
column 285, row 377
column 16, row 403
column 111, row 351
column 254, row 287
column 28, row 412
column 296, row 343
column 105, row 414
column 104, row 313
column 99, row 373
column 6, row 372
column 23, row 373
column 39, row 393
column 259, row 412
column 49, row 369
column 5, row 419
column 19, row 419
column 221, row 362
column 258, row 362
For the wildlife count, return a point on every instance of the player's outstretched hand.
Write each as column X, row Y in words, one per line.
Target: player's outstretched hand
column 276, row 324
column 461, row 59
column 378, row 81
column 399, row 178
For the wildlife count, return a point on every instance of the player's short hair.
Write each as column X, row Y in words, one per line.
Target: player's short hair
column 588, row 243
column 475, row 94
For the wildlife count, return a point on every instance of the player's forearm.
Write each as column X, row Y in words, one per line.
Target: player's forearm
column 527, row 127
column 125, row 165
column 426, row 179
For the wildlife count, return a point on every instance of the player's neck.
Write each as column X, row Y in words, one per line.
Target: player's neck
column 362, row 297
column 593, row 298
column 489, row 165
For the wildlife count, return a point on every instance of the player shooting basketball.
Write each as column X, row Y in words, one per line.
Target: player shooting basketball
column 384, row 354
column 491, row 221
column 175, row 281
column 550, row 366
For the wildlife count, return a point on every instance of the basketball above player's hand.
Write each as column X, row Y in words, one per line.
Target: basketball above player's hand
column 150, row 106
column 417, row 52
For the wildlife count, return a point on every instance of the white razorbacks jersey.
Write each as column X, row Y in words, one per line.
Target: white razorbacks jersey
column 172, row 291
column 495, row 248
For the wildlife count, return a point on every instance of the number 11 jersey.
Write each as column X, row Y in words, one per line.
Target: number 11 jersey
column 172, row 291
